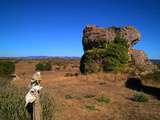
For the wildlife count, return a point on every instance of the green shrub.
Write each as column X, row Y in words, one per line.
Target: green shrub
column 48, row 66
column 110, row 57
column 90, row 107
column 40, row 67
column 111, row 63
column 99, row 43
column 121, row 41
column 139, row 97
column 91, row 61
column 6, row 68
column 91, row 68
column 103, row 99
column 116, row 55
column 44, row 66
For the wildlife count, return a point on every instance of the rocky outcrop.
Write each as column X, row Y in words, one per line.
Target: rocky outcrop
column 97, row 48
column 95, row 37
column 137, row 56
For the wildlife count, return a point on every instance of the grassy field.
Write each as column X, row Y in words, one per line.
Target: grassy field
column 102, row 96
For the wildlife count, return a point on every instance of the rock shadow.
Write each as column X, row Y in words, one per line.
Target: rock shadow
column 136, row 84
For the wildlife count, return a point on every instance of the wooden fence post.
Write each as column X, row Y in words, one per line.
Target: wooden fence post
column 37, row 108
column 33, row 98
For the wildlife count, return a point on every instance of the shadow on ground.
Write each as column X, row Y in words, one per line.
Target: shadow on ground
column 136, row 84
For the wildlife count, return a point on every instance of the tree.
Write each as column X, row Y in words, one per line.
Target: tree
column 6, row 68
column 44, row 66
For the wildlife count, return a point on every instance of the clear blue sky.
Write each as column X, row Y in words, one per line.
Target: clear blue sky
column 54, row 27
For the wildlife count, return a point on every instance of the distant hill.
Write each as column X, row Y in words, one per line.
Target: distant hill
column 40, row 57
column 155, row 60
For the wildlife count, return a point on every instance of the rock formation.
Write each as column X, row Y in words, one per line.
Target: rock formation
column 95, row 44
column 137, row 56
column 93, row 35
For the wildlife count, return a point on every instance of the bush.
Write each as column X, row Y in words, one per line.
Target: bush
column 44, row 66
column 103, row 99
column 140, row 98
column 110, row 58
column 99, row 43
column 48, row 66
column 90, row 107
column 6, row 68
column 116, row 54
column 91, row 61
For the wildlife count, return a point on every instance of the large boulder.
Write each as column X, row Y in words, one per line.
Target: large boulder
column 96, row 37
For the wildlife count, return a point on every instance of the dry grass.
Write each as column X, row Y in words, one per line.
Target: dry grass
column 12, row 104
column 111, row 85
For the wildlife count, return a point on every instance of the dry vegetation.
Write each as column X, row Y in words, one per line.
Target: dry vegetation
column 102, row 96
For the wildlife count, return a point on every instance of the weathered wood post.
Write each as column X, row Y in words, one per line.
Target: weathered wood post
column 37, row 108
column 33, row 105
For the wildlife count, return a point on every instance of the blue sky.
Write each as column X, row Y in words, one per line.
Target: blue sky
column 54, row 27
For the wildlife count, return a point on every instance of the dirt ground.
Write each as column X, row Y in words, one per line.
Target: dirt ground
column 69, row 95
